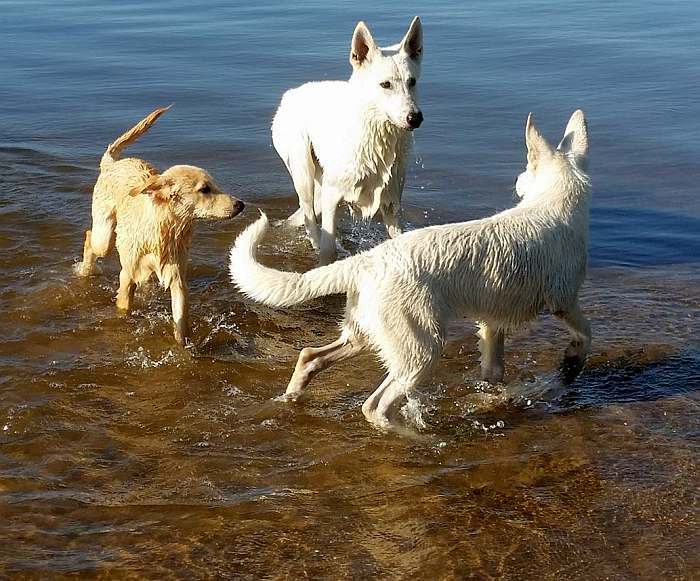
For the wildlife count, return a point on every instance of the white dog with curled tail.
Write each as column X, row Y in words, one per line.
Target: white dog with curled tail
column 346, row 141
column 501, row 271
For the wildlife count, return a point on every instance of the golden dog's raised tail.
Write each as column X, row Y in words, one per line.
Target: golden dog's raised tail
column 115, row 148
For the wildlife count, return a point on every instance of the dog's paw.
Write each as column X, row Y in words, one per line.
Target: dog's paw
column 80, row 269
column 287, row 397
column 394, row 231
column 493, row 375
column 378, row 420
column 571, row 366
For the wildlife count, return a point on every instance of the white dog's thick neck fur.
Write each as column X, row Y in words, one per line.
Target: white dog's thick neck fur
column 501, row 271
column 348, row 140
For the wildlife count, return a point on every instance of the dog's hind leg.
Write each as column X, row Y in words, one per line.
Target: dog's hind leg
column 314, row 360
column 577, row 350
column 369, row 408
column 400, row 389
column 300, row 164
column 491, row 346
column 411, row 357
column 87, row 266
column 296, row 219
column 410, row 338
column 98, row 241
column 318, row 185
column 392, row 397
column 383, row 405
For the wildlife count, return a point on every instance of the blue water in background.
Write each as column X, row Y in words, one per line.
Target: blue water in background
column 74, row 75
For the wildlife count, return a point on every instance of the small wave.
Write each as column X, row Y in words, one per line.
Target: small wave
column 142, row 358
column 487, row 427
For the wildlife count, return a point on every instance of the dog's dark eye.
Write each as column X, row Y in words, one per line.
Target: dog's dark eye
column 205, row 189
column 412, row 82
column 385, row 85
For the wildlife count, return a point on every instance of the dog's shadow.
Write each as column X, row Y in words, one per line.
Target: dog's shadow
column 626, row 376
column 651, row 373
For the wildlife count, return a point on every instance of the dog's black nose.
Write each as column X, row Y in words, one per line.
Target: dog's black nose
column 238, row 207
column 414, row 119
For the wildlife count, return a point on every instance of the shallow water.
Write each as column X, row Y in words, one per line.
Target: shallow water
column 123, row 455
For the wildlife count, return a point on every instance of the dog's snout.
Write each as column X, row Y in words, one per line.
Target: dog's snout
column 414, row 119
column 237, row 207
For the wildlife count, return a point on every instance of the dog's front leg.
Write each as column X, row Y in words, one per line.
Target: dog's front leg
column 312, row 229
column 392, row 223
column 369, row 408
column 125, row 294
column 314, row 360
column 179, row 298
column 98, row 241
column 491, row 346
column 330, row 198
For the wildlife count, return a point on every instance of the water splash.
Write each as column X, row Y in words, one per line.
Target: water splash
column 412, row 411
column 492, row 428
column 418, row 157
column 142, row 358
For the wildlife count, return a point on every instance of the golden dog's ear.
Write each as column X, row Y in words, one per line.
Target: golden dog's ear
column 156, row 186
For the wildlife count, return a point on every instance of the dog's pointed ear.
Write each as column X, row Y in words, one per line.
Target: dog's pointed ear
column 412, row 43
column 537, row 146
column 156, row 186
column 575, row 140
column 362, row 46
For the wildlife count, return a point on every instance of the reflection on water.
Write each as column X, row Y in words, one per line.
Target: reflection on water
column 122, row 454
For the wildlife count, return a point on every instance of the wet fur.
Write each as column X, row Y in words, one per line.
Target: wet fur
column 346, row 141
column 501, row 271
column 152, row 215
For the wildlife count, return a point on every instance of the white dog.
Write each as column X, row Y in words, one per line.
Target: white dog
column 501, row 271
column 347, row 140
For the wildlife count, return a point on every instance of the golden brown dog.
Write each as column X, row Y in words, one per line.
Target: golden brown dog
column 152, row 214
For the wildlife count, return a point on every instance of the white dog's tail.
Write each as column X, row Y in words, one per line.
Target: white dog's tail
column 115, row 148
column 277, row 288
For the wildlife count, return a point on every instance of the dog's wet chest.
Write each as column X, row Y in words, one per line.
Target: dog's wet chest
column 377, row 162
column 163, row 253
column 149, row 264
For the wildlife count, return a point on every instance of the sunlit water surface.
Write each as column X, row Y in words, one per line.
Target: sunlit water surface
column 122, row 454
